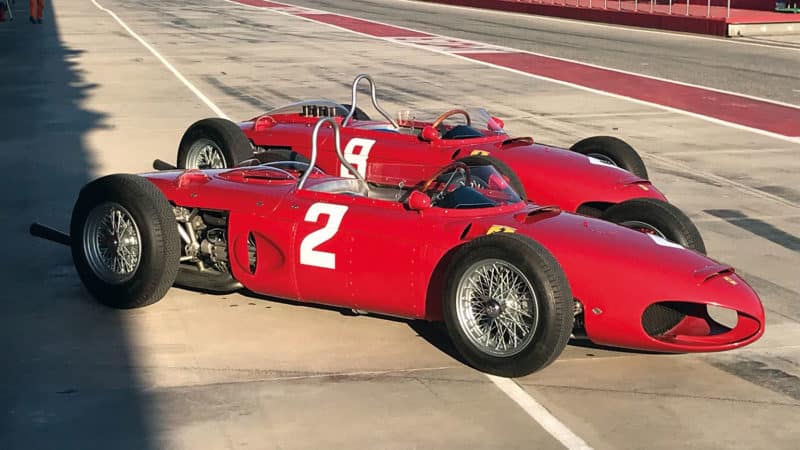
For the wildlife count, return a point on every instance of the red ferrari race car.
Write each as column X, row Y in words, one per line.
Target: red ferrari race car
column 510, row 279
column 587, row 179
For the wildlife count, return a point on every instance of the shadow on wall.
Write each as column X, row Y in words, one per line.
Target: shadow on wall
column 67, row 378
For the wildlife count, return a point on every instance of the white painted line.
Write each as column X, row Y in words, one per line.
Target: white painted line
column 539, row 413
column 166, row 63
column 794, row 140
column 664, row 33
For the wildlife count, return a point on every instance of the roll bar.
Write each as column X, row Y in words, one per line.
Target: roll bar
column 372, row 93
column 337, row 145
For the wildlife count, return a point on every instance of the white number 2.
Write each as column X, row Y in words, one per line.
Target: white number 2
column 308, row 255
column 357, row 160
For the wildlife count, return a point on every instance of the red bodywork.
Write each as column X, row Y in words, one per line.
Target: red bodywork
column 384, row 257
column 550, row 175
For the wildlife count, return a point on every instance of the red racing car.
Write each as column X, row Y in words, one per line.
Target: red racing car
column 511, row 280
column 587, row 179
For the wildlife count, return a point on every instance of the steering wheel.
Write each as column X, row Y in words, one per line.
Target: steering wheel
column 447, row 114
column 455, row 167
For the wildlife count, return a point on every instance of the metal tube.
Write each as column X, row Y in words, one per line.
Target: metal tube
column 652, row 2
column 708, row 11
column 183, row 234
column 670, row 7
column 728, row 14
column 353, row 100
column 337, row 140
column 687, row 7
column 635, row 5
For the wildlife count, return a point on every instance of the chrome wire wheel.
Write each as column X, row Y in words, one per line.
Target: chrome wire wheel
column 644, row 227
column 496, row 307
column 112, row 243
column 603, row 158
column 205, row 154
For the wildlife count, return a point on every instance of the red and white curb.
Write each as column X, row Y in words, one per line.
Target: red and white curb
column 758, row 115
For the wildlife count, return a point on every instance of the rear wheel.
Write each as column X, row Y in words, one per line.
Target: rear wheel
column 213, row 143
column 507, row 172
column 507, row 305
column 125, row 242
column 613, row 151
column 658, row 218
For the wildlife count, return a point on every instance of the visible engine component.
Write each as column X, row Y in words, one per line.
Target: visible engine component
column 215, row 246
column 205, row 247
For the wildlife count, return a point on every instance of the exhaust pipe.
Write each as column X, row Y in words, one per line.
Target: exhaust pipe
column 51, row 234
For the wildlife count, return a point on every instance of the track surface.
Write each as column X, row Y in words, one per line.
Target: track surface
column 82, row 98
column 772, row 73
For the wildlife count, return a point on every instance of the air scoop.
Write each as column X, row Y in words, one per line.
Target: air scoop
column 538, row 213
column 706, row 273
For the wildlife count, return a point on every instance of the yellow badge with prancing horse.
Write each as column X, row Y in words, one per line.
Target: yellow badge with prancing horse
column 479, row 153
column 500, row 229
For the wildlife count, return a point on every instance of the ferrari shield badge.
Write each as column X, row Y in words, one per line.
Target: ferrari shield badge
column 500, row 229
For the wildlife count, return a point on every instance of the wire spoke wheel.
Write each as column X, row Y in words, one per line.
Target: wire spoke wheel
column 644, row 227
column 112, row 243
column 496, row 307
column 603, row 158
column 205, row 154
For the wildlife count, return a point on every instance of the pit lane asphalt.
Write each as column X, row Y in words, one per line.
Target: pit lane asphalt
column 80, row 98
column 770, row 72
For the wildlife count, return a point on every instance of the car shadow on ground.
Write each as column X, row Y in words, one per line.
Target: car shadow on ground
column 68, row 377
column 432, row 332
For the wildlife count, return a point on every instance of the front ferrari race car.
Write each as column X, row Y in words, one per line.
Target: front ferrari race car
column 511, row 280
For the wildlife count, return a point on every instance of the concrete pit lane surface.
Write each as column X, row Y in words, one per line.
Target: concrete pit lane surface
column 82, row 96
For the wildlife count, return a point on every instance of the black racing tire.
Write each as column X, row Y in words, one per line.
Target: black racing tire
column 224, row 135
column 358, row 115
column 553, row 300
column 663, row 217
column 158, row 240
column 503, row 168
column 617, row 151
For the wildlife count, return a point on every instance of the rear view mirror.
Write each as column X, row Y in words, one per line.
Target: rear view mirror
column 429, row 134
column 417, row 201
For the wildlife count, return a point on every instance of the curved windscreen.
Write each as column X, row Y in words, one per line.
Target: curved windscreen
column 480, row 187
column 479, row 119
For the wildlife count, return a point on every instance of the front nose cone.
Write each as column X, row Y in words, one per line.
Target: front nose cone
column 687, row 326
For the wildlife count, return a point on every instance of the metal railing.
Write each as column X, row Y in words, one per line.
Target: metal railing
column 669, row 7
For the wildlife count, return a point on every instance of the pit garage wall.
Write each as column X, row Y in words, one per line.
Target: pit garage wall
column 699, row 25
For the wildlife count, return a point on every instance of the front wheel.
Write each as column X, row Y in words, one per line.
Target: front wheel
column 508, row 305
column 612, row 151
column 125, row 242
column 213, row 144
column 659, row 218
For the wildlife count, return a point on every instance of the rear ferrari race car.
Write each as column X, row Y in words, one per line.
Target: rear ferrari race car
column 599, row 176
column 511, row 280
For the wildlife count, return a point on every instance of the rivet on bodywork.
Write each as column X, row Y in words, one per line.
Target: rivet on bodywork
column 597, row 311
